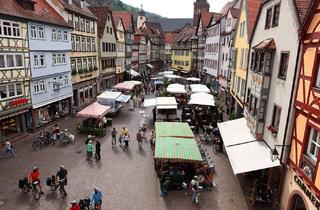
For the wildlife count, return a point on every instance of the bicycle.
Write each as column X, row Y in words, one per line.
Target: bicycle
column 217, row 147
column 44, row 139
column 26, row 187
column 54, row 185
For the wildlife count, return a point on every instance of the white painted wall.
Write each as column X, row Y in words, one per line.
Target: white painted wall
column 215, row 39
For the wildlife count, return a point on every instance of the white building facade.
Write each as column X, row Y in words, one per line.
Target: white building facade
column 51, row 86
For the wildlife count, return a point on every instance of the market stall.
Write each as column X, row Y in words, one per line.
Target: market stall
column 93, row 124
column 176, row 89
column 113, row 99
column 196, row 88
column 202, row 98
column 166, row 108
column 124, row 86
column 178, row 156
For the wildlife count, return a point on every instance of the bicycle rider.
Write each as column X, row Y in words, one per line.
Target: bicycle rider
column 35, row 177
column 62, row 176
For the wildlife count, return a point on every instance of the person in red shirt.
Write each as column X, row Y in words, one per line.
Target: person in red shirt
column 35, row 176
column 74, row 205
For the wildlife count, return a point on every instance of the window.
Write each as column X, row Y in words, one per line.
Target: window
column 93, row 41
column 8, row 91
column 314, row 144
column 9, row 28
column 72, row 43
column 58, row 59
column 65, row 80
column 276, row 117
column 53, row 34
column 276, row 15
column 59, row 34
column 89, row 63
column 73, row 65
column 78, row 47
column 283, row 65
column 94, row 62
column 79, row 64
column 65, row 35
column 241, row 59
column 40, row 32
column 92, row 27
column 268, row 18
column 317, row 85
column 186, row 63
column 39, row 86
column 87, row 26
column 11, row 61
column 76, row 23
column 83, row 44
column 33, row 31
column 84, row 63
column 107, row 29
column 88, row 45
column 70, row 19
column 38, row 60
column 82, row 24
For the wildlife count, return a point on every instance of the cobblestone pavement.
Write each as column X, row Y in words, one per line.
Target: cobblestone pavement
column 127, row 179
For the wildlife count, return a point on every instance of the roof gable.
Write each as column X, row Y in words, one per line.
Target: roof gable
column 101, row 13
column 127, row 19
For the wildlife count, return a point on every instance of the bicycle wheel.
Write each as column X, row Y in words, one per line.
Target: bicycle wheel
column 25, row 189
column 215, row 148
column 36, row 144
column 63, row 193
column 36, row 193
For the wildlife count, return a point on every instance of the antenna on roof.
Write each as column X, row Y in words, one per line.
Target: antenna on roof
column 141, row 7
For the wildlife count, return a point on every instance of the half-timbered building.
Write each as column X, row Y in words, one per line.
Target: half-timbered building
column 302, row 186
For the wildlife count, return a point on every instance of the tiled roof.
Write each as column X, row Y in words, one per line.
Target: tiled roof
column 75, row 7
column 169, row 37
column 171, row 24
column 43, row 12
column 265, row 44
column 253, row 9
column 116, row 20
column 235, row 12
column 302, row 9
column 184, row 35
column 101, row 13
column 227, row 6
column 157, row 26
column 127, row 19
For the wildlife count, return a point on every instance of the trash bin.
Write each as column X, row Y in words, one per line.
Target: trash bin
column 109, row 121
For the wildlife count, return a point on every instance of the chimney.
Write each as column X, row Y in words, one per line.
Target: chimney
column 70, row 2
column 82, row 4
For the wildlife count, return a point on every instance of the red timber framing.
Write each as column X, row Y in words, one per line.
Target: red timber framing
column 307, row 102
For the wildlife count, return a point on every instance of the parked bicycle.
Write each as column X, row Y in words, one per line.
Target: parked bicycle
column 27, row 187
column 54, row 184
column 44, row 139
column 66, row 137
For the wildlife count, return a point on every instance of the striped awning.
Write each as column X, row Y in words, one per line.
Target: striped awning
column 177, row 150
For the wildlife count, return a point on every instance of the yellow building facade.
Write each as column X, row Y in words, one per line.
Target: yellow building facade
column 241, row 49
column 181, row 60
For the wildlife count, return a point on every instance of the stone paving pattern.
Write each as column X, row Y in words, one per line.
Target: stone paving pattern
column 127, row 179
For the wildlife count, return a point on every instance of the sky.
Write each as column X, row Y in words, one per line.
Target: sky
column 173, row 8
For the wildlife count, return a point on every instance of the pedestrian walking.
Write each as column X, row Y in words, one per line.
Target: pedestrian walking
column 98, row 150
column 114, row 137
column 124, row 133
column 162, row 180
column 152, row 143
column 8, row 148
column 195, row 189
column 126, row 140
column 139, row 138
column 96, row 199
column 89, row 150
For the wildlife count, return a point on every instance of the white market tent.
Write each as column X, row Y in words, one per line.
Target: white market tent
column 107, row 96
column 196, row 88
column 124, row 86
column 204, row 99
column 134, row 73
column 176, row 88
column 134, row 82
column 162, row 102
column 166, row 72
column 244, row 151
column 172, row 76
column 193, row 79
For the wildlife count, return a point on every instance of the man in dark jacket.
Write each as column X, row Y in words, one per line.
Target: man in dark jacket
column 98, row 150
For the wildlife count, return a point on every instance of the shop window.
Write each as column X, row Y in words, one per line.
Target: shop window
column 313, row 144
column 276, row 117
column 284, row 60
column 298, row 203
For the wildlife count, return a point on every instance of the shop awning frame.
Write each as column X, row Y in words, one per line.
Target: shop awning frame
column 94, row 110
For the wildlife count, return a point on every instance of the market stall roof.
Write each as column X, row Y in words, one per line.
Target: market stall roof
column 150, row 102
column 134, row 82
column 244, row 151
column 167, row 107
column 166, row 72
column 176, row 88
column 166, row 101
column 196, row 88
column 124, row 85
column 149, row 65
column 123, row 98
column 194, row 79
column 109, row 95
column 173, row 129
column 94, row 110
column 158, row 82
column 202, row 101
column 172, row 76
column 134, row 73
column 202, row 95
column 177, row 150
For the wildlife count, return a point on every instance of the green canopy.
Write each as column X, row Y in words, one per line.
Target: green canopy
column 173, row 129
column 177, row 149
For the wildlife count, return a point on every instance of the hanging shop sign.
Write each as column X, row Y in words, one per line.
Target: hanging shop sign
column 85, row 76
column 307, row 191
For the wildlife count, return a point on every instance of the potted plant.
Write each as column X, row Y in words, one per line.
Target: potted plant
column 74, row 71
column 273, row 130
column 95, row 68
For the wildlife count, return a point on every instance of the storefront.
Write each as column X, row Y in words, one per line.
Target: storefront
column 84, row 93
column 48, row 113
column 297, row 194
column 14, row 123
column 107, row 82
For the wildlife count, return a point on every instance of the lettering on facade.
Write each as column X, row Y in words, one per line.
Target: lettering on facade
column 86, row 76
column 307, row 191
column 14, row 103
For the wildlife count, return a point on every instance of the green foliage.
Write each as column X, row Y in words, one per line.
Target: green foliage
column 232, row 116
column 99, row 132
column 73, row 72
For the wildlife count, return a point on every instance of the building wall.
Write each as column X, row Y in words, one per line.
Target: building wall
column 241, row 46
column 120, row 63
column 211, row 64
column 178, row 57
column 279, row 89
